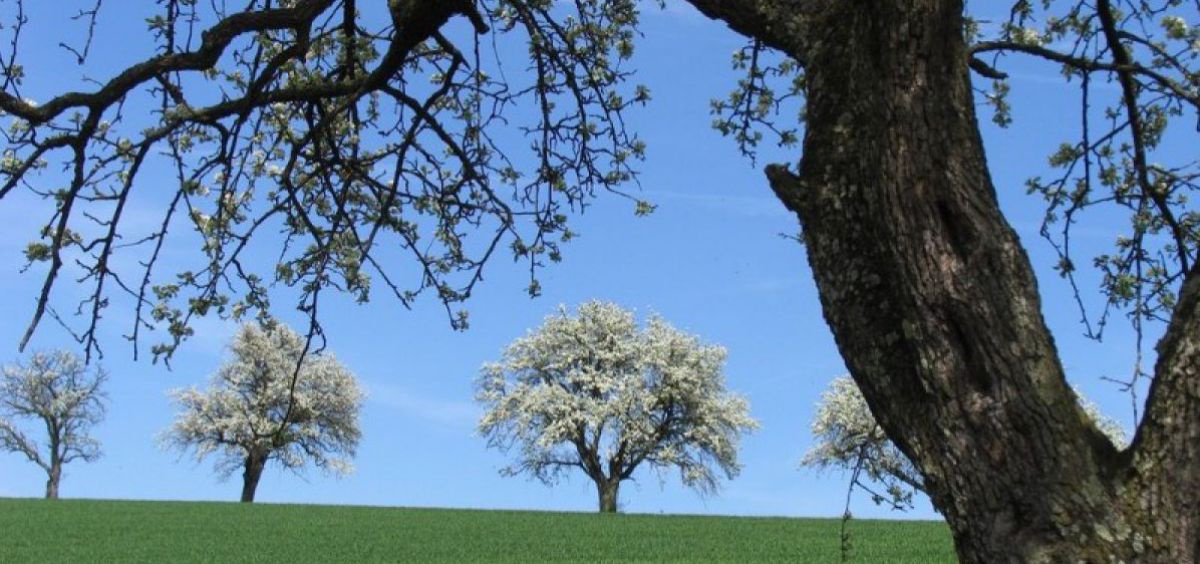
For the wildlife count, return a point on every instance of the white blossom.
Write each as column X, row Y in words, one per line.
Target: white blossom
column 596, row 393
column 9, row 163
column 1028, row 36
column 251, row 407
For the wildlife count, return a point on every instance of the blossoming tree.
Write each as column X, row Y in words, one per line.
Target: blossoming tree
column 57, row 390
column 271, row 402
column 594, row 392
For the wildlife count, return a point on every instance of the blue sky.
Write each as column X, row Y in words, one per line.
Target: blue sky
column 710, row 259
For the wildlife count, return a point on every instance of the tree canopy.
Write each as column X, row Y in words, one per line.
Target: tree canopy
column 362, row 132
column 593, row 392
column 271, row 403
column 365, row 132
column 61, row 395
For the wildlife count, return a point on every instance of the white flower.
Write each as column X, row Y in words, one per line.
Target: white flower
column 1028, row 36
column 10, row 163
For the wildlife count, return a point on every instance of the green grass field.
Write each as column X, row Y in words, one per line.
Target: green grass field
column 143, row 531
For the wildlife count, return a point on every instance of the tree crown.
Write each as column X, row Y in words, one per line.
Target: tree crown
column 271, row 400
column 60, row 392
column 593, row 391
column 359, row 131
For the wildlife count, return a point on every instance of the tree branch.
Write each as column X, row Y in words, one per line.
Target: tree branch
column 13, row 440
column 213, row 44
column 776, row 24
column 1129, row 91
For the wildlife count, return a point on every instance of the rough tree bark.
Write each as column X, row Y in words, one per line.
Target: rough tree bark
column 935, row 308
column 255, row 463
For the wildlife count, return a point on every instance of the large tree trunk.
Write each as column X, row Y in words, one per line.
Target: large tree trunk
column 250, row 475
column 935, row 309
column 608, row 491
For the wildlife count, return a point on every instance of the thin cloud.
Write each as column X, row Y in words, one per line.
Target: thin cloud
column 212, row 334
column 450, row 413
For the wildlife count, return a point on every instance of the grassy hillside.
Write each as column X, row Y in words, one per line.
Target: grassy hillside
column 141, row 531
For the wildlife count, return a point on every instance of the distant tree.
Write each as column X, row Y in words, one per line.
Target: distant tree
column 849, row 438
column 267, row 404
column 57, row 390
column 594, row 392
